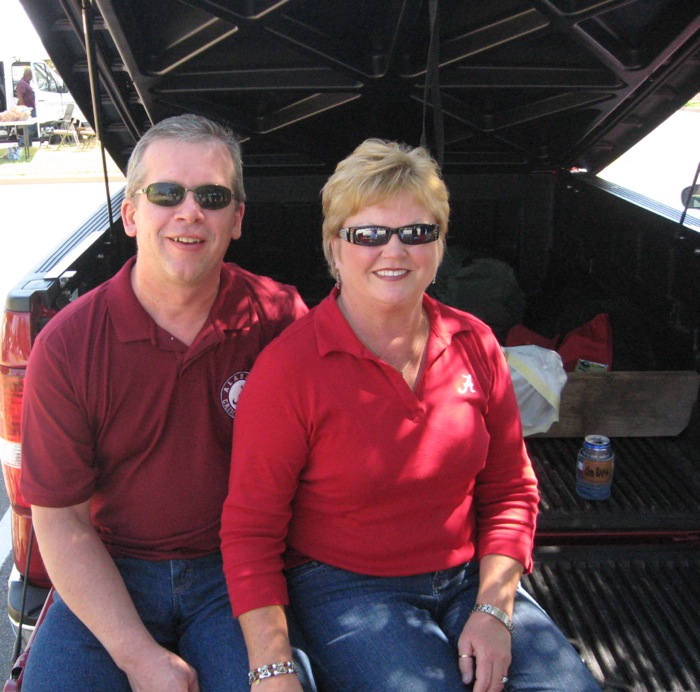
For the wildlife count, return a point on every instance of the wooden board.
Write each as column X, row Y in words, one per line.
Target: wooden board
column 626, row 404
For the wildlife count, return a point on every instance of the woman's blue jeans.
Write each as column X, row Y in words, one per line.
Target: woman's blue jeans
column 185, row 606
column 400, row 633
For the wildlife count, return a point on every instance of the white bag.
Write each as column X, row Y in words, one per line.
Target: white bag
column 538, row 378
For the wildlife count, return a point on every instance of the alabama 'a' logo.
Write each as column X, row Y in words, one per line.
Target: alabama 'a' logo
column 231, row 391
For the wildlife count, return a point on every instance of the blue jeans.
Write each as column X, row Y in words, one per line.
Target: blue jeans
column 185, row 606
column 400, row 633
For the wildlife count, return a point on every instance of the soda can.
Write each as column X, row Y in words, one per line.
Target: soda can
column 594, row 468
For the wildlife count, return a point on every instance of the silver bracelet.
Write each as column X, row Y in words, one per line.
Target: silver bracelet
column 499, row 614
column 269, row 670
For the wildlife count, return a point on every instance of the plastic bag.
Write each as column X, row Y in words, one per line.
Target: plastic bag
column 538, row 378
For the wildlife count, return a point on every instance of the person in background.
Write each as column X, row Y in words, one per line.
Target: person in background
column 26, row 97
column 25, row 92
column 129, row 403
column 380, row 485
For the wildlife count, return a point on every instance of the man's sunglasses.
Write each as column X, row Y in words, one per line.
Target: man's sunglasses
column 172, row 194
column 370, row 236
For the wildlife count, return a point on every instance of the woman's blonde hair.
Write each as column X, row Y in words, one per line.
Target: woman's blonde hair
column 378, row 171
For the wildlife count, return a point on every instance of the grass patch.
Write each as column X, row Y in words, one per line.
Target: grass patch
column 694, row 103
column 6, row 161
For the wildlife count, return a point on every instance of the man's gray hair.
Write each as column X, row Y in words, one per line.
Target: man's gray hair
column 186, row 129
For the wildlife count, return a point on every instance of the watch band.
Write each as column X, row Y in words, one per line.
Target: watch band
column 499, row 614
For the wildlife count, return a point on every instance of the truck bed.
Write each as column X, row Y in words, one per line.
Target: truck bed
column 630, row 609
column 632, row 612
column 655, row 489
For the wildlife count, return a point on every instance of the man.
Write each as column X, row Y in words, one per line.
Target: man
column 25, row 93
column 129, row 400
column 26, row 97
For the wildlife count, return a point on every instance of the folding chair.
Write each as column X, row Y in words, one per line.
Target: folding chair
column 66, row 129
column 88, row 137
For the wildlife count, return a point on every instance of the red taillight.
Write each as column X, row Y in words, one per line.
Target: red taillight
column 11, row 388
column 15, row 345
column 16, row 336
column 17, row 331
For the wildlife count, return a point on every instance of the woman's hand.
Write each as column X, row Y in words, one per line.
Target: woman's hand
column 267, row 640
column 484, row 648
column 280, row 683
column 485, row 643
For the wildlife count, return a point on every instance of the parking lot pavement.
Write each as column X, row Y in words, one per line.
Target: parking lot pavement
column 48, row 164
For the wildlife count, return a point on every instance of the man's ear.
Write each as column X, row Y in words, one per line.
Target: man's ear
column 238, row 222
column 128, row 214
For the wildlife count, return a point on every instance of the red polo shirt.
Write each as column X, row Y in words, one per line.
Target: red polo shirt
column 118, row 410
column 336, row 459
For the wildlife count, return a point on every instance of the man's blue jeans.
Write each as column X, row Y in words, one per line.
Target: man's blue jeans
column 185, row 606
column 400, row 633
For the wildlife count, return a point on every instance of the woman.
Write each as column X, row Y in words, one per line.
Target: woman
column 380, row 483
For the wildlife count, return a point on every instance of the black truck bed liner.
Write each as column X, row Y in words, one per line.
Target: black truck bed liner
column 632, row 612
column 655, row 489
column 621, row 576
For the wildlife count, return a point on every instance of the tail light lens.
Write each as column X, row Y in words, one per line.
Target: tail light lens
column 17, row 332
column 15, row 345
column 11, row 388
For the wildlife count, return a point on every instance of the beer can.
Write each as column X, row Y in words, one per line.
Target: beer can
column 594, row 468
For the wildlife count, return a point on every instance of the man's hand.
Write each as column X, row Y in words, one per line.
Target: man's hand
column 162, row 670
column 84, row 574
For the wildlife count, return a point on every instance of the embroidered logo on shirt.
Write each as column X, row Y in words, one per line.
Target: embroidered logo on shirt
column 231, row 391
column 467, row 385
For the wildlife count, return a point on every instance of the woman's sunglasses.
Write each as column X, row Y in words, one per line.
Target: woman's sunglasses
column 370, row 236
column 172, row 194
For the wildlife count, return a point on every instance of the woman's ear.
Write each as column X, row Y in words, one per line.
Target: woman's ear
column 335, row 251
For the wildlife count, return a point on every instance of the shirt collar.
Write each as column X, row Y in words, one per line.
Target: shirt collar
column 232, row 308
column 333, row 333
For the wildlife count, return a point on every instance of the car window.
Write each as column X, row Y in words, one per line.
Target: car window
column 664, row 163
column 17, row 73
column 44, row 80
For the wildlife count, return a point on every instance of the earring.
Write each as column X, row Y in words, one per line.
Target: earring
column 337, row 279
column 434, row 281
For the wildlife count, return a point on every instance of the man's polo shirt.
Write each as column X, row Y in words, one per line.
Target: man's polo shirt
column 25, row 93
column 118, row 410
